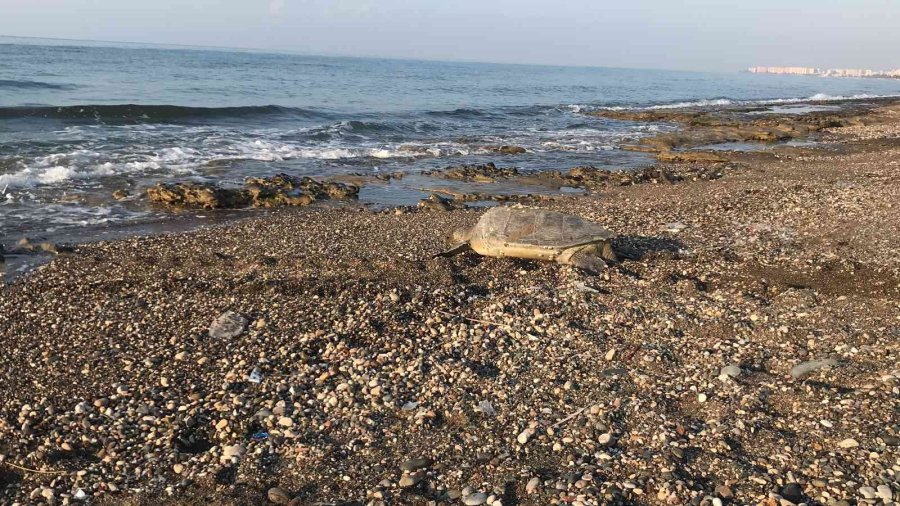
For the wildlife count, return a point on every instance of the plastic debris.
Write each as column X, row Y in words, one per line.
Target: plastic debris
column 228, row 325
column 255, row 375
column 260, row 436
column 804, row 369
column 487, row 408
column 674, row 227
column 581, row 287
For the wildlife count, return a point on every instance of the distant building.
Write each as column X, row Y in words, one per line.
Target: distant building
column 804, row 71
column 809, row 71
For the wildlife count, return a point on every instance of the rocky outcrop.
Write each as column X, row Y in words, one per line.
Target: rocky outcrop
column 478, row 173
column 689, row 157
column 198, row 195
column 274, row 191
column 594, row 178
column 507, row 150
column 715, row 127
column 441, row 204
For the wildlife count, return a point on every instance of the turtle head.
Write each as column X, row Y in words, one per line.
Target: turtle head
column 459, row 242
column 461, row 235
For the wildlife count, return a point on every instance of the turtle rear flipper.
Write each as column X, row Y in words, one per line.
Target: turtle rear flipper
column 455, row 250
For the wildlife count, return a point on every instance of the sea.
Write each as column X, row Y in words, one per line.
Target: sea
column 79, row 120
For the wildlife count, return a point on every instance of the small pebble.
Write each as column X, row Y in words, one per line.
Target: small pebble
column 848, row 443
column 525, row 435
column 278, row 496
column 474, row 499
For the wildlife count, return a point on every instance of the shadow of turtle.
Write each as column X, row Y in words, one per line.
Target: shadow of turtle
column 639, row 247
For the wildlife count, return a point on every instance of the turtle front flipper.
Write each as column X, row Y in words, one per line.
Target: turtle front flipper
column 589, row 259
column 608, row 253
column 455, row 250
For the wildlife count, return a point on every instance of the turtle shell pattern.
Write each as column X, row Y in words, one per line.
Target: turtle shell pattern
column 532, row 233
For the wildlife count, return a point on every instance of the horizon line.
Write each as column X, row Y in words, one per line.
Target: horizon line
column 203, row 47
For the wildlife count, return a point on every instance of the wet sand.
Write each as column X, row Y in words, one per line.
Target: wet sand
column 749, row 356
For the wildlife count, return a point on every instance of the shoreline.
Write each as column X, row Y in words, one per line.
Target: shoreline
column 121, row 199
column 676, row 151
column 748, row 356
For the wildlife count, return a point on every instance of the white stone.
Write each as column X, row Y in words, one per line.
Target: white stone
column 474, row 499
column 848, row 443
column 867, row 492
column 525, row 435
column 230, row 451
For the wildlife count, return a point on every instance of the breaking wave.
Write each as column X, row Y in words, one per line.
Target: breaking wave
column 718, row 102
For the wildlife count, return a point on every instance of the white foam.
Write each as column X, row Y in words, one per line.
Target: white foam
column 30, row 177
column 266, row 150
column 697, row 103
column 382, row 153
column 56, row 174
column 713, row 102
column 58, row 168
column 824, row 97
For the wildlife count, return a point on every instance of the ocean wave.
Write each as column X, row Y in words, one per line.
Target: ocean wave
column 33, row 85
column 83, row 165
column 30, row 177
column 824, row 97
column 132, row 113
column 360, row 127
column 273, row 151
column 461, row 114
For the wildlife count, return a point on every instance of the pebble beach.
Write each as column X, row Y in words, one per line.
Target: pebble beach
column 746, row 352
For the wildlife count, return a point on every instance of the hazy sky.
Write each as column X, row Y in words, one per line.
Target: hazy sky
column 686, row 34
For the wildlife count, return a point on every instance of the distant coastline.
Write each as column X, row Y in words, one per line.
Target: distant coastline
column 811, row 71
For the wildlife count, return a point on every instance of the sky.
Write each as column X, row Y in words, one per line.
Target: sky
column 715, row 35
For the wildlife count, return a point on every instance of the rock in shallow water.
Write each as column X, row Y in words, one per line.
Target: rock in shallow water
column 277, row 190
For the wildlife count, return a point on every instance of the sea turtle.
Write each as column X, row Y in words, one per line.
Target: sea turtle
column 537, row 234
